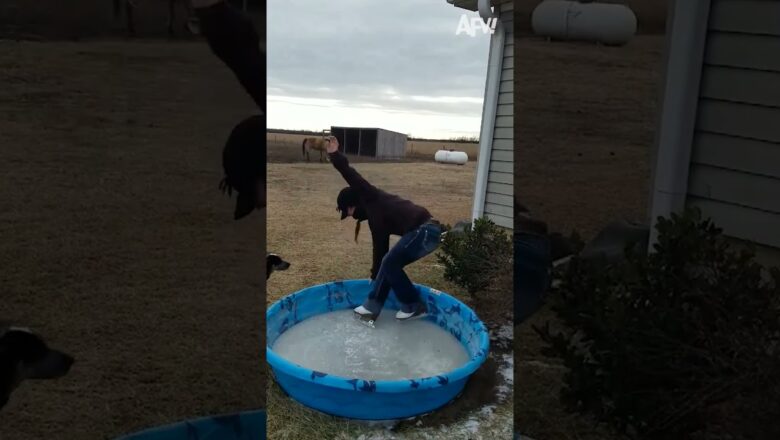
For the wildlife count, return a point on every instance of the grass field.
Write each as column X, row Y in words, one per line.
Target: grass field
column 56, row 20
column 305, row 229
column 115, row 243
column 585, row 128
column 284, row 147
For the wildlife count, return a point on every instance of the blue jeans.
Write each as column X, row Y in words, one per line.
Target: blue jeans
column 410, row 248
column 533, row 264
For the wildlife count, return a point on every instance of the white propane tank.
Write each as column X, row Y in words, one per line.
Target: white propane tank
column 604, row 23
column 447, row 156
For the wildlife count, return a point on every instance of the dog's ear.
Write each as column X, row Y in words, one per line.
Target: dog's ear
column 37, row 359
column 4, row 327
column 7, row 328
column 24, row 344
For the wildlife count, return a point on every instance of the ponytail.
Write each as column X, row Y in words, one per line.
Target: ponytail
column 357, row 230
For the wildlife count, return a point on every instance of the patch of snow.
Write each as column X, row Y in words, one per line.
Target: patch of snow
column 502, row 391
column 471, row 426
column 502, row 337
column 377, row 436
column 487, row 410
column 506, row 331
column 386, row 424
column 506, row 371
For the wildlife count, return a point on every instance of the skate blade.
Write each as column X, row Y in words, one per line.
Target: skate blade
column 412, row 318
column 367, row 321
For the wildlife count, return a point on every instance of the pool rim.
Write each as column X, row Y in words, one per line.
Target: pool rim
column 276, row 362
column 158, row 429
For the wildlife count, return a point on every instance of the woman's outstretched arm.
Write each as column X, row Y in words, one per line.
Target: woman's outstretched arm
column 340, row 162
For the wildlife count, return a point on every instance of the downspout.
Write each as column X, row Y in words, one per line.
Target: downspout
column 489, row 107
column 485, row 11
column 685, row 54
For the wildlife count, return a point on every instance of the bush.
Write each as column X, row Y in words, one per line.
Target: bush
column 472, row 257
column 663, row 345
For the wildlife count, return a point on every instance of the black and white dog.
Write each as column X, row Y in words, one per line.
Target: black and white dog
column 274, row 262
column 25, row 355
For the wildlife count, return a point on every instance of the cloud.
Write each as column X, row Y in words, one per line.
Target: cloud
column 400, row 56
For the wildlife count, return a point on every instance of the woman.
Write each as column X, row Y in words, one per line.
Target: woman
column 387, row 214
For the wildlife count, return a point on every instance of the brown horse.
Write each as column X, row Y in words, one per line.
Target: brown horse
column 317, row 144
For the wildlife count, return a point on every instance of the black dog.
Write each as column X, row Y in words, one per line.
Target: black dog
column 274, row 262
column 24, row 355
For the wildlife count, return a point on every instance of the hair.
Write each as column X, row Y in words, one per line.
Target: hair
column 357, row 230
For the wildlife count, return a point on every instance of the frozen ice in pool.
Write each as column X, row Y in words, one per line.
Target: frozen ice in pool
column 336, row 343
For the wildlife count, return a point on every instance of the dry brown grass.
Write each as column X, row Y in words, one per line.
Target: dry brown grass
column 587, row 118
column 115, row 243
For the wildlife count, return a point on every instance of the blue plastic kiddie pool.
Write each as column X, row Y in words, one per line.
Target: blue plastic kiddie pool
column 249, row 425
column 356, row 398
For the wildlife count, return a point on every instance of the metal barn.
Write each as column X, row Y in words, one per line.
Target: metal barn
column 371, row 142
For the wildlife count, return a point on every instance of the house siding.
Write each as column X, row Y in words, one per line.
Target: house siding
column 499, row 190
column 734, row 175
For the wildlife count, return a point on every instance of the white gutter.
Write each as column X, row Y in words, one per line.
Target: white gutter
column 685, row 54
column 489, row 107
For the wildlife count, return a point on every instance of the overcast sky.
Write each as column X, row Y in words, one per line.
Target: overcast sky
column 394, row 64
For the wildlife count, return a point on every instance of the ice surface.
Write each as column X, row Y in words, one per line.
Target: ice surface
column 336, row 343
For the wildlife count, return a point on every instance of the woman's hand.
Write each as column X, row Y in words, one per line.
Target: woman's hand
column 333, row 145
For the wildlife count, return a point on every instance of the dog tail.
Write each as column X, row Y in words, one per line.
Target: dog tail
column 303, row 146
